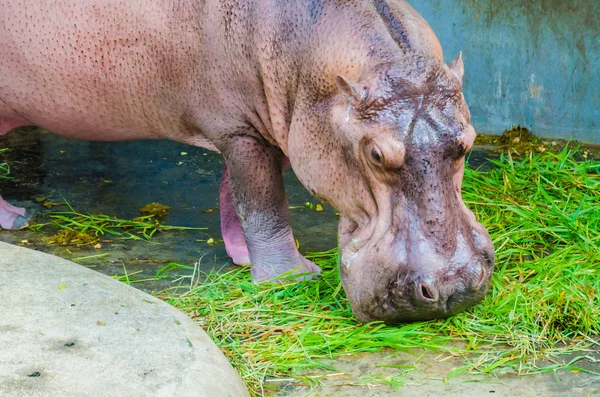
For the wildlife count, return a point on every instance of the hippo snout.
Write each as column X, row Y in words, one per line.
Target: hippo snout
column 425, row 296
column 421, row 287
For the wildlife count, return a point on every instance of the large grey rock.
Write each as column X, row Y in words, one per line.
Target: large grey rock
column 66, row 330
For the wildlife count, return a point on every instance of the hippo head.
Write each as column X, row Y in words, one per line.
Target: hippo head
column 409, row 247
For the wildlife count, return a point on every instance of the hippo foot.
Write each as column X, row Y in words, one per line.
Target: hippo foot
column 299, row 271
column 238, row 253
column 12, row 217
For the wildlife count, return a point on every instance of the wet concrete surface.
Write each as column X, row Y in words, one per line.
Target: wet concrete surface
column 423, row 373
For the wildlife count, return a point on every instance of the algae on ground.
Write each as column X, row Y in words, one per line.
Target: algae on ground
column 521, row 141
column 155, row 209
column 67, row 237
column 49, row 204
column 518, row 140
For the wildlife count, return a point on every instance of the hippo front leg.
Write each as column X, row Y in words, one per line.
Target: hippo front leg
column 259, row 199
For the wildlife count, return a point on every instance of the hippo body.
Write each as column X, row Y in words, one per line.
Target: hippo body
column 354, row 93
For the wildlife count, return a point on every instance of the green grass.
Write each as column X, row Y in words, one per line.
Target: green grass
column 4, row 167
column 543, row 213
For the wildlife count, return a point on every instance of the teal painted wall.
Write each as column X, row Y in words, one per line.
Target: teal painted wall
column 530, row 62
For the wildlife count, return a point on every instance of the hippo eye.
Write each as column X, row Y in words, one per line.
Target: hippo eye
column 384, row 153
column 376, row 155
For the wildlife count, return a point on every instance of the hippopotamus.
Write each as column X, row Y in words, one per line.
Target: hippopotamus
column 354, row 95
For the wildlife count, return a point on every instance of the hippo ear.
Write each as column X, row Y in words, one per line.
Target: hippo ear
column 353, row 93
column 458, row 67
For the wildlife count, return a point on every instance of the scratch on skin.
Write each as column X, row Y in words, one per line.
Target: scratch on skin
column 348, row 262
column 420, row 102
column 354, row 246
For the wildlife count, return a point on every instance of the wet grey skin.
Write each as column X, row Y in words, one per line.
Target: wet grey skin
column 354, row 94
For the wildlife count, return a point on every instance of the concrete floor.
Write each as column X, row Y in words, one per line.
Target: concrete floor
column 369, row 375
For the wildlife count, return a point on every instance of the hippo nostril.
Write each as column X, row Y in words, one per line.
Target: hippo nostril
column 428, row 293
column 425, row 292
column 479, row 283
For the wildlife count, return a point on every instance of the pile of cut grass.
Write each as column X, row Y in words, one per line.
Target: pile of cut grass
column 543, row 213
